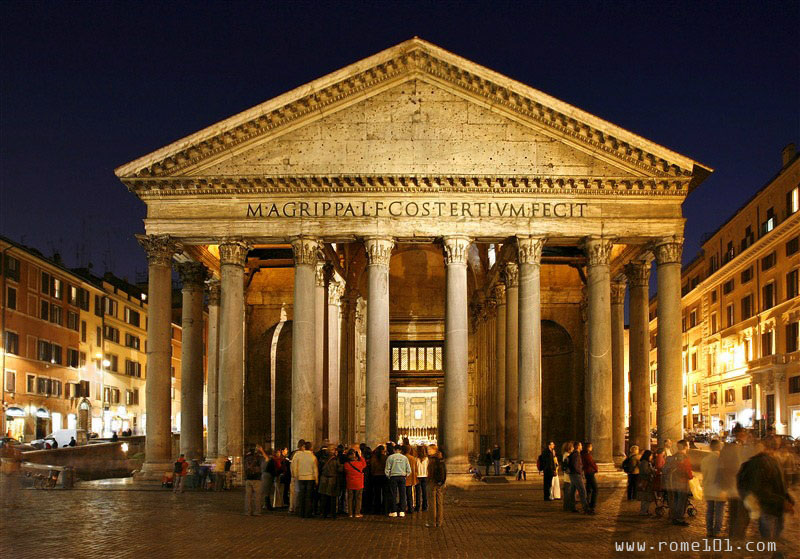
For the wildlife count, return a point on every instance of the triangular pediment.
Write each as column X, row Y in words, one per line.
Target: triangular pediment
column 415, row 109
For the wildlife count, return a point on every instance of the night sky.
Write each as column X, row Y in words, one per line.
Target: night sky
column 87, row 87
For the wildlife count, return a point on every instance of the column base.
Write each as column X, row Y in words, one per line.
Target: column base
column 609, row 475
column 152, row 471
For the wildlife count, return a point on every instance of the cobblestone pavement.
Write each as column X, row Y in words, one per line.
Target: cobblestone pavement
column 490, row 523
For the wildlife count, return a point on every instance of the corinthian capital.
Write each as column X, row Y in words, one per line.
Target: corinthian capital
column 305, row 251
column 618, row 292
column 530, row 250
column 598, row 251
column 455, row 250
column 335, row 292
column 160, row 249
column 511, row 275
column 638, row 273
column 499, row 293
column 233, row 252
column 213, row 292
column 379, row 250
column 193, row 274
column 669, row 250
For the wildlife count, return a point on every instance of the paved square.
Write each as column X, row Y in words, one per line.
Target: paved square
column 505, row 523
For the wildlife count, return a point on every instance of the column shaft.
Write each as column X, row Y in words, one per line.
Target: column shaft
column 618, row 394
column 304, row 344
column 231, row 349
column 379, row 251
column 599, row 377
column 639, row 352
column 158, row 444
column 319, row 351
column 335, row 291
column 456, row 354
column 500, row 357
column 511, row 447
column 212, row 369
column 193, row 276
column 669, row 412
column 530, row 349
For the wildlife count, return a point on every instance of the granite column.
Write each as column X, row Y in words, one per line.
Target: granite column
column 305, row 400
column 638, row 273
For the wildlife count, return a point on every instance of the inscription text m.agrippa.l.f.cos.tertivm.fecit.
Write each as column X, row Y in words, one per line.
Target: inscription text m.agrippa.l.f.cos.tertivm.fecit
column 415, row 209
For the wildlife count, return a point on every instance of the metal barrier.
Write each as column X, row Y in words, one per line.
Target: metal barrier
column 43, row 476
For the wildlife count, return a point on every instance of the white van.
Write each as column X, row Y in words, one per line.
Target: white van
column 62, row 437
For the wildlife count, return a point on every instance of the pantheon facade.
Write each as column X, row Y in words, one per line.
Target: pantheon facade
column 413, row 223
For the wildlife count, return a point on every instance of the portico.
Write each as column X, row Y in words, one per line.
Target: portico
column 446, row 204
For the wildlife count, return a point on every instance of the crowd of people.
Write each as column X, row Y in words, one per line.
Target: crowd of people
column 392, row 480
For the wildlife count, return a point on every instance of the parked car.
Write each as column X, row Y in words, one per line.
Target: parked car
column 62, row 437
column 10, row 442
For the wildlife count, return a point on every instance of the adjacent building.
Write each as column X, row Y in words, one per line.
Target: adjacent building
column 740, row 313
column 74, row 348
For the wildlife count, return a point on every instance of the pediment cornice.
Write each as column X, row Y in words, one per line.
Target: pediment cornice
column 417, row 58
column 511, row 185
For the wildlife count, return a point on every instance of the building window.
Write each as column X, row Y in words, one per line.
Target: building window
column 768, row 296
column 730, row 319
column 72, row 295
column 792, row 284
column 766, row 344
column 132, row 317
column 768, row 261
column 98, row 336
column 132, row 341
column 11, row 343
column 747, row 392
column 747, row 275
column 11, row 298
column 43, row 386
column 792, row 246
column 45, row 351
column 45, row 283
column 714, row 296
column 83, row 331
column 792, row 337
column 73, row 359
column 55, row 388
column 44, row 313
column 793, row 200
column 83, row 299
column 654, row 397
column 135, row 396
column 693, row 318
column 56, row 354
column 56, row 315
column 111, row 333
column 73, row 321
column 98, row 305
column 730, row 395
column 712, row 398
column 81, row 359
column 695, row 388
column 57, row 288
column 728, row 286
column 794, row 384
column 729, row 253
column 12, row 268
column 114, row 363
column 713, row 265
column 683, row 324
column 110, row 306
column 693, row 361
column 133, row 369
column 11, row 381
column 769, row 223
column 747, row 307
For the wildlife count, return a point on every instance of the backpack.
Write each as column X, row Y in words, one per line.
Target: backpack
column 178, row 467
column 627, row 465
column 252, row 466
column 668, row 472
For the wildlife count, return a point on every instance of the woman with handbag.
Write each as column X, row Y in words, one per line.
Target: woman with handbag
column 644, row 483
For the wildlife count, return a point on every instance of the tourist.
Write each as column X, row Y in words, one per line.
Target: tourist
column 421, row 489
column 645, row 491
column 253, row 464
column 678, row 483
column 322, row 455
column 329, row 482
column 354, row 475
column 267, row 481
column 396, row 470
column 219, row 473
column 486, row 460
column 306, row 474
column 114, row 437
column 496, row 459
column 437, row 476
column 411, row 480
column 731, row 458
column 631, row 467
column 276, row 467
column 381, row 495
column 522, row 475
column 294, row 486
column 179, row 471
column 764, row 491
column 366, row 495
column 568, row 493
column 668, row 448
column 589, row 472
column 547, row 464
column 72, row 442
column 713, row 494
column 576, row 477
column 286, row 477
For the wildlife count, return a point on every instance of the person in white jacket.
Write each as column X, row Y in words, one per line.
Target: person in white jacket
column 713, row 493
column 306, row 472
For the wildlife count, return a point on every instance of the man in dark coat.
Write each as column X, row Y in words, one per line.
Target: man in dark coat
column 576, row 476
column 589, row 471
column 546, row 464
column 496, row 459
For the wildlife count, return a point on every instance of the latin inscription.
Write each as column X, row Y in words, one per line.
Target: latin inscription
column 414, row 209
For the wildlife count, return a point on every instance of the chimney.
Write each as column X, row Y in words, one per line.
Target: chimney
column 788, row 154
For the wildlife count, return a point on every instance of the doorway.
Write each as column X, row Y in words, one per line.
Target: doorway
column 417, row 414
column 416, row 385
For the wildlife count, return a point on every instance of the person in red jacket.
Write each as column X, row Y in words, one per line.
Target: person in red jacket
column 354, row 478
column 589, row 471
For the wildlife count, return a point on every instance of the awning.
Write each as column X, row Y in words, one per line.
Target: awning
column 43, row 413
column 15, row 412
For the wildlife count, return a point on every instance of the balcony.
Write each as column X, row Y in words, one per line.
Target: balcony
column 766, row 361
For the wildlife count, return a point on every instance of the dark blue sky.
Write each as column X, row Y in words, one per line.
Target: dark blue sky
column 85, row 87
